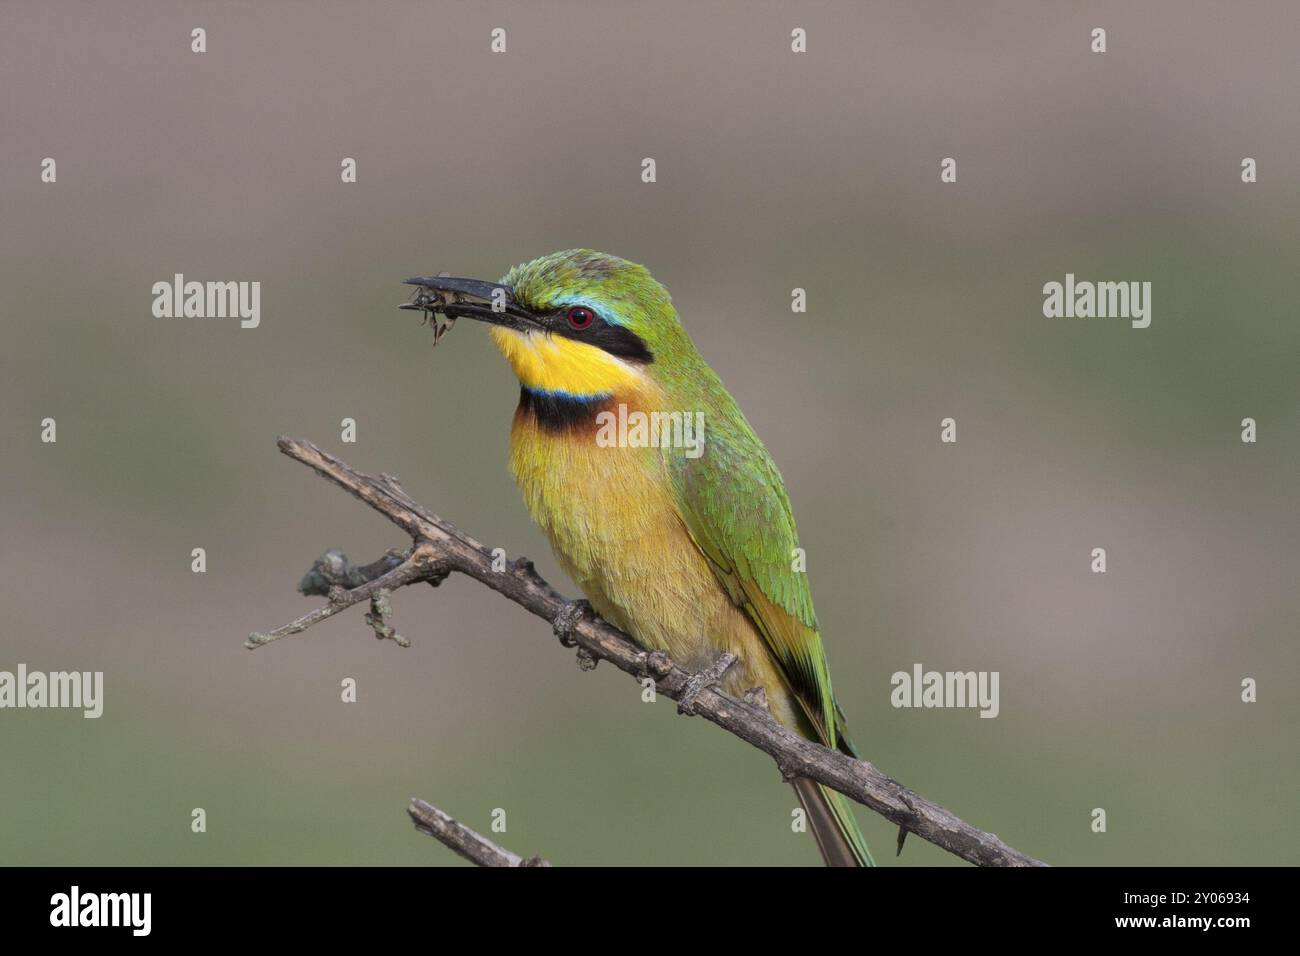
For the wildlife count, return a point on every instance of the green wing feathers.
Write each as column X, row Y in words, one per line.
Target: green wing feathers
column 735, row 507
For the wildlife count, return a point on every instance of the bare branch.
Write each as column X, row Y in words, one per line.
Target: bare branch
column 456, row 836
column 440, row 548
column 420, row 566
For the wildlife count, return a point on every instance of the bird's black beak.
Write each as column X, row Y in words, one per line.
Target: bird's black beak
column 472, row 299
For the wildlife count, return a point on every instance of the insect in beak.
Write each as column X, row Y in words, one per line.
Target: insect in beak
column 432, row 303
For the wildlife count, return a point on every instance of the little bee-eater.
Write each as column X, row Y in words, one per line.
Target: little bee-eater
column 684, row 541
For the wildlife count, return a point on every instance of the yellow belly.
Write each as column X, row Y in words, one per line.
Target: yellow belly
column 615, row 530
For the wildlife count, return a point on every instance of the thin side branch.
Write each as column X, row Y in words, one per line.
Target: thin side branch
column 454, row 835
column 439, row 548
column 415, row 568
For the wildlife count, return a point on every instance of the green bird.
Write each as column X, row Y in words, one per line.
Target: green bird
column 679, row 535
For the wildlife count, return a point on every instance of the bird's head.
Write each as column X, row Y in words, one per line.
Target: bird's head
column 579, row 322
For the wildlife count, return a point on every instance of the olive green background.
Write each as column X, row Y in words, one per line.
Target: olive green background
column 775, row 170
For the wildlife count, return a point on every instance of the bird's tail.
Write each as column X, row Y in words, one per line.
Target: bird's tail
column 833, row 825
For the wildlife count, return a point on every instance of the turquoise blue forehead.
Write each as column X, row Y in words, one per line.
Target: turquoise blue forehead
column 613, row 311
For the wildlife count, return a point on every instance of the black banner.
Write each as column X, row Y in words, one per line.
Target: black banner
column 115, row 905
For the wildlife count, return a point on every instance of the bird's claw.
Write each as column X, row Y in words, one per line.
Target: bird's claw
column 568, row 619
column 706, row 678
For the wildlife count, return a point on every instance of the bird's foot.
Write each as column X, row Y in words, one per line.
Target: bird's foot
column 568, row 619
column 706, row 678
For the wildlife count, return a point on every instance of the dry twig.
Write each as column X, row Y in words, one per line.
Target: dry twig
column 438, row 548
column 456, row 836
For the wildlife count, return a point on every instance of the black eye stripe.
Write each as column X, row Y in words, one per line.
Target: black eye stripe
column 614, row 339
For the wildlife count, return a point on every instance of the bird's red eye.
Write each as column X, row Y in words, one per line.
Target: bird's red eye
column 580, row 317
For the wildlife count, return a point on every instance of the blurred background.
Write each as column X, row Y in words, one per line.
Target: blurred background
column 775, row 170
